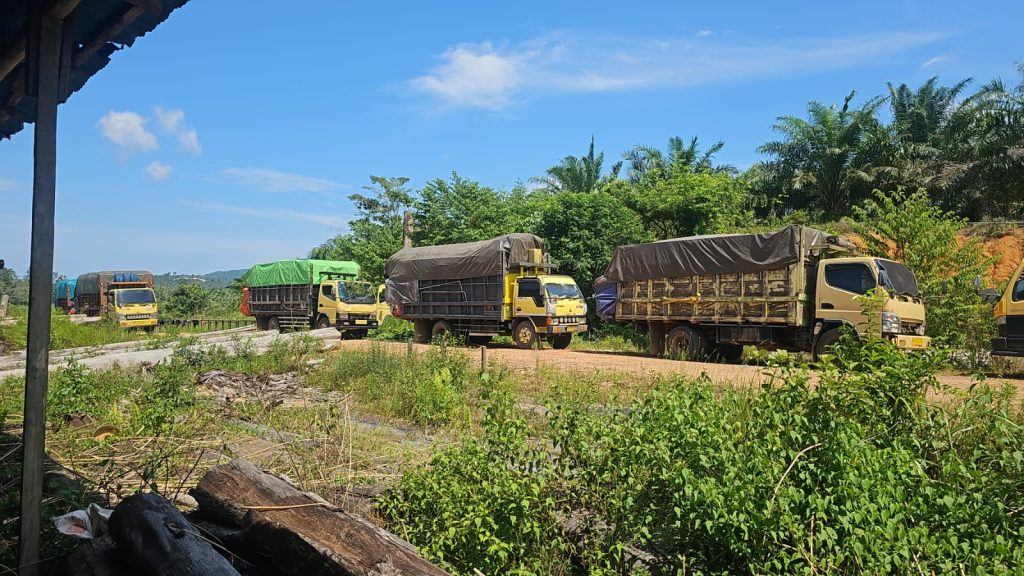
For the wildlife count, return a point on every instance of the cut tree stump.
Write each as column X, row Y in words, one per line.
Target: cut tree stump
column 301, row 533
column 153, row 537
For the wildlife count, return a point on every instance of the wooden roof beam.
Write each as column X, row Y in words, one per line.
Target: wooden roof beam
column 154, row 6
column 114, row 29
column 14, row 53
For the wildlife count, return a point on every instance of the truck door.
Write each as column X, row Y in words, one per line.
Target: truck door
column 1012, row 326
column 529, row 298
column 838, row 285
column 327, row 300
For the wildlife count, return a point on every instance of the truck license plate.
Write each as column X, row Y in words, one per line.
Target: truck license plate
column 917, row 342
column 361, row 322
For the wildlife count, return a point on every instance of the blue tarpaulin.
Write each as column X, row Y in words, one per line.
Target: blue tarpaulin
column 605, row 294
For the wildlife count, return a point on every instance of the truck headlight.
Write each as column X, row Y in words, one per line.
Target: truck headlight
column 121, row 317
column 550, row 309
column 890, row 323
column 920, row 329
column 1001, row 320
column 584, row 308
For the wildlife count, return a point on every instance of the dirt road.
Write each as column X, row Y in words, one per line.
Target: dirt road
column 613, row 363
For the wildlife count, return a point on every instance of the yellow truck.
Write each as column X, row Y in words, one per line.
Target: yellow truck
column 126, row 296
column 503, row 286
column 304, row 294
column 705, row 297
column 1009, row 315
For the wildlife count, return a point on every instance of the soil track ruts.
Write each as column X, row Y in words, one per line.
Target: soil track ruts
column 589, row 362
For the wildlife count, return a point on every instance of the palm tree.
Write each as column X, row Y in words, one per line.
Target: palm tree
column 830, row 159
column 647, row 161
column 574, row 174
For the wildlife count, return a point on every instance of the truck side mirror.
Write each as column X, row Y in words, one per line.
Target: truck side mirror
column 977, row 283
column 989, row 295
column 945, row 287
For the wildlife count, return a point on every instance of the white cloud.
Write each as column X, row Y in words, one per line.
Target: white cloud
column 933, row 61
column 190, row 141
column 8, row 185
column 127, row 130
column 279, row 181
column 330, row 220
column 158, row 171
column 173, row 121
column 493, row 78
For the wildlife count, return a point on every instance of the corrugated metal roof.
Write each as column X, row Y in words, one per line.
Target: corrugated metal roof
column 101, row 27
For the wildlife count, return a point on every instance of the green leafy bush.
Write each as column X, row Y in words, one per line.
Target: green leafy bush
column 858, row 474
column 394, row 329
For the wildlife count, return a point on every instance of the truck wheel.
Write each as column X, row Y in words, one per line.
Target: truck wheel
column 441, row 327
column 421, row 331
column 323, row 322
column 686, row 343
column 729, row 353
column 272, row 323
column 479, row 340
column 826, row 340
column 561, row 342
column 524, row 334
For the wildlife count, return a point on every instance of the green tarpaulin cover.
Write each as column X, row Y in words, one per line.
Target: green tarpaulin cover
column 303, row 271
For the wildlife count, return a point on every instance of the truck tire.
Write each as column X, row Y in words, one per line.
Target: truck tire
column 561, row 342
column 261, row 323
column 421, row 331
column 323, row 322
column 479, row 340
column 440, row 328
column 272, row 324
column 686, row 343
column 524, row 334
column 826, row 340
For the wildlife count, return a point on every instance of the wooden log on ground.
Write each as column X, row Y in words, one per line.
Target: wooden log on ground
column 153, row 537
column 301, row 533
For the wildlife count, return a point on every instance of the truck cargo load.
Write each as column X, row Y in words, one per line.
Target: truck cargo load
column 708, row 296
column 298, row 271
column 64, row 293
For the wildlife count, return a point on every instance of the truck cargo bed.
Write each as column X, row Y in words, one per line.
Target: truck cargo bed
column 468, row 298
column 773, row 296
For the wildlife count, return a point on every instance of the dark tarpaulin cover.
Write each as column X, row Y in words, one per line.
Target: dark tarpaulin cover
column 712, row 254
column 90, row 283
column 605, row 294
column 453, row 262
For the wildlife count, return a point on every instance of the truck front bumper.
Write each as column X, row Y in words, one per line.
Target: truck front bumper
column 911, row 342
column 566, row 329
column 143, row 323
column 357, row 324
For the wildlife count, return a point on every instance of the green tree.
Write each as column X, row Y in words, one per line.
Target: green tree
column 643, row 162
column 377, row 233
column 461, row 210
column 574, row 174
column 909, row 228
column 185, row 301
column 829, row 160
column 581, row 231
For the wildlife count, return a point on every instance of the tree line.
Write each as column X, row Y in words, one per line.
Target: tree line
column 964, row 148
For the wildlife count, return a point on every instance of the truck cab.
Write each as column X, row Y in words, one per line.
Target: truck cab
column 545, row 305
column 133, row 307
column 1009, row 316
column 840, row 284
column 348, row 304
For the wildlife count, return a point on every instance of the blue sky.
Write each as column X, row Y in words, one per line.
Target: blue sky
column 233, row 133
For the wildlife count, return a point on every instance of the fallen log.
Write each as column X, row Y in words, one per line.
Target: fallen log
column 301, row 533
column 153, row 537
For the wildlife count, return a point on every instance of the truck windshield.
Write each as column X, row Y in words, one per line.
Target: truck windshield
column 897, row 278
column 563, row 291
column 135, row 296
column 357, row 292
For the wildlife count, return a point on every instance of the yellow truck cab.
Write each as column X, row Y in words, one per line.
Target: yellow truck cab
column 705, row 297
column 840, row 286
column 125, row 296
column 349, row 304
column 503, row 286
column 133, row 307
column 1009, row 316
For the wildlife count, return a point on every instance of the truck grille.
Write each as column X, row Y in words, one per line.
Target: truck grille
column 569, row 320
column 138, row 317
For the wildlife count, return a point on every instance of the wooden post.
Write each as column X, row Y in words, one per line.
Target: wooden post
column 44, row 63
column 483, row 358
column 4, row 301
column 407, row 230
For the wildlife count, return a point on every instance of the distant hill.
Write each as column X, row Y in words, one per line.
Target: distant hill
column 210, row 281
